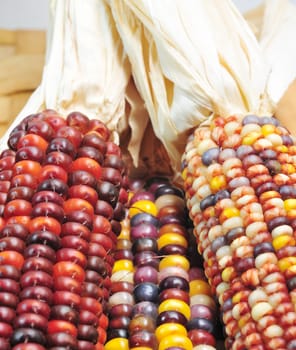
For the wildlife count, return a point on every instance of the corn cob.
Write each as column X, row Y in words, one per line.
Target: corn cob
column 53, row 183
column 239, row 177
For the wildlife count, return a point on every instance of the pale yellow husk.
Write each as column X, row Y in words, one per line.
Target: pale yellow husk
column 194, row 58
column 87, row 70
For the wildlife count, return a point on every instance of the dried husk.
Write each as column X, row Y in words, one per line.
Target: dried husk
column 87, row 70
column 192, row 59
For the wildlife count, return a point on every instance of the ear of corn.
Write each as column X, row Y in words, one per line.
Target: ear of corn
column 62, row 200
column 239, row 176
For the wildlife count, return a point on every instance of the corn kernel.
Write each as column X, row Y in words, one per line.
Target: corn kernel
column 176, row 305
column 288, row 169
column 261, row 309
column 175, row 340
column 199, row 287
column 283, row 241
column 143, row 206
column 291, row 214
column 228, row 274
column 228, row 213
column 290, row 203
column 124, row 234
column 116, row 344
column 286, row 262
column 250, row 138
column 244, row 320
column 275, row 139
column 268, row 129
column 218, row 183
column 184, row 174
column 174, row 260
column 123, row 264
column 282, row 149
column 169, row 328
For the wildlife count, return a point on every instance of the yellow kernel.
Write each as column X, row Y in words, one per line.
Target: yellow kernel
column 250, row 138
column 166, row 329
column 178, row 340
column 283, row 241
column 171, row 238
column 116, row 344
column 174, row 260
column 243, row 320
column 199, row 287
column 184, row 174
column 268, row 129
column 292, row 270
column 288, row 169
column 290, row 203
column 286, row 263
column 228, row 274
column 176, row 305
column 123, row 264
column 291, row 214
column 237, row 298
column 281, row 149
column 218, row 183
column 229, row 213
column 143, row 206
column 124, row 234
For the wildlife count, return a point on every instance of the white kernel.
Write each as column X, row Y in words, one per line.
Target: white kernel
column 260, row 309
column 223, row 251
column 231, row 163
column 221, row 288
column 275, row 139
column 214, row 170
column 254, row 228
column 122, row 276
column 198, row 182
column 273, row 331
column 225, row 261
column 248, row 128
column 203, row 299
column 214, row 232
column 231, row 223
column 204, row 191
column 275, row 202
column 256, row 296
column 252, row 208
column 272, row 277
column 265, row 258
column 239, row 242
column 204, row 145
column 239, row 192
column 282, row 230
column 203, row 347
column 245, row 200
column 231, row 127
column 262, row 144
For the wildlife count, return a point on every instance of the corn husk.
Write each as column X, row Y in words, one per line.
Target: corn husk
column 86, row 70
column 192, row 59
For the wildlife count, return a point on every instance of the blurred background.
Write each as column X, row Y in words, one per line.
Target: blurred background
column 23, row 25
column 33, row 14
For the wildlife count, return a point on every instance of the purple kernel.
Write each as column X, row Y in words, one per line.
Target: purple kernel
column 210, row 156
column 244, row 150
column 250, row 119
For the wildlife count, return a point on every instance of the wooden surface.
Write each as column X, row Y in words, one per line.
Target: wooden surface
column 22, row 54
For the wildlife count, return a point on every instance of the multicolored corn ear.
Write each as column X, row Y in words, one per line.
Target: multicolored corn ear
column 240, row 182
